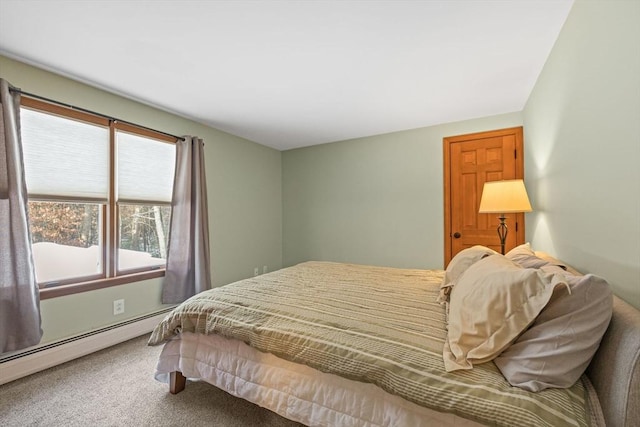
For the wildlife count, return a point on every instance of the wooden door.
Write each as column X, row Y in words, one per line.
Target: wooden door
column 470, row 161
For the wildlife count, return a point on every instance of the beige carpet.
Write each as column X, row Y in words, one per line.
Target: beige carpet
column 115, row 387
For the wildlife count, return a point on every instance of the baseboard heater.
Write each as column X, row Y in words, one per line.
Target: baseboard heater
column 37, row 359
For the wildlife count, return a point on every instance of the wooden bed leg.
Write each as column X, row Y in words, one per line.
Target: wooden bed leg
column 177, row 382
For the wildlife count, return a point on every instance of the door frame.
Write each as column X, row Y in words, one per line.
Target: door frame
column 446, row 145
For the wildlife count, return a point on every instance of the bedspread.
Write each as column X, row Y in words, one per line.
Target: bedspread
column 373, row 324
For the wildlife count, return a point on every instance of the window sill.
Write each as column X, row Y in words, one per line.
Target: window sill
column 92, row 285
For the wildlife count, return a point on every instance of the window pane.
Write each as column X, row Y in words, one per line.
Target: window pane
column 66, row 240
column 145, row 168
column 144, row 232
column 64, row 157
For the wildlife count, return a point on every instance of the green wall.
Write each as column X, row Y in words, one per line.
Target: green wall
column 244, row 194
column 379, row 200
column 582, row 143
column 375, row 200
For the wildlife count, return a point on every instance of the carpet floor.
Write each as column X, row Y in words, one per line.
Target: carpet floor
column 115, row 387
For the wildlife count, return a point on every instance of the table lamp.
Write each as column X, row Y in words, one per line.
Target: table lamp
column 508, row 196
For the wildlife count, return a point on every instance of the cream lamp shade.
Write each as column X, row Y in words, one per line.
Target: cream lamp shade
column 504, row 197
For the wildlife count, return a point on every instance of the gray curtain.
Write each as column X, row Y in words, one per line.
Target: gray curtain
column 19, row 296
column 188, row 270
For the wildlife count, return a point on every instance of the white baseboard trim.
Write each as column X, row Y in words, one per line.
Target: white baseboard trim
column 40, row 360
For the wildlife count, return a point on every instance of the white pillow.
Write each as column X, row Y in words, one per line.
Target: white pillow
column 552, row 260
column 458, row 265
column 524, row 256
column 491, row 304
column 558, row 347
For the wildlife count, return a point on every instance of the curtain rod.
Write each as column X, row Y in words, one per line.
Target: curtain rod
column 84, row 110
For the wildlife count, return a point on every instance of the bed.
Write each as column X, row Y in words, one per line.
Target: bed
column 332, row 344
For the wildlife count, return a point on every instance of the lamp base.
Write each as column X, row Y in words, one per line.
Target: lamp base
column 502, row 232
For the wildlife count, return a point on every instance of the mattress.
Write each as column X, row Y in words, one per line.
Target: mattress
column 295, row 391
column 372, row 326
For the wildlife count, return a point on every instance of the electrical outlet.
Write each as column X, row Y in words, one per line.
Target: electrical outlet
column 256, row 271
column 264, row 269
column 118, row 307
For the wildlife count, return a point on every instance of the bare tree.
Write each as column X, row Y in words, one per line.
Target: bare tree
column 157, row 214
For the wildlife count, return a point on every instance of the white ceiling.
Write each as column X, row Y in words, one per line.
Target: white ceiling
column 290, row 74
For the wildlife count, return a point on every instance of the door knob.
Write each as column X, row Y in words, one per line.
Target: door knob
column 457, row 235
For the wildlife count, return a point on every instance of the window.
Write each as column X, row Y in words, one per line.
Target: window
column 99, row 197
column 145, row 184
